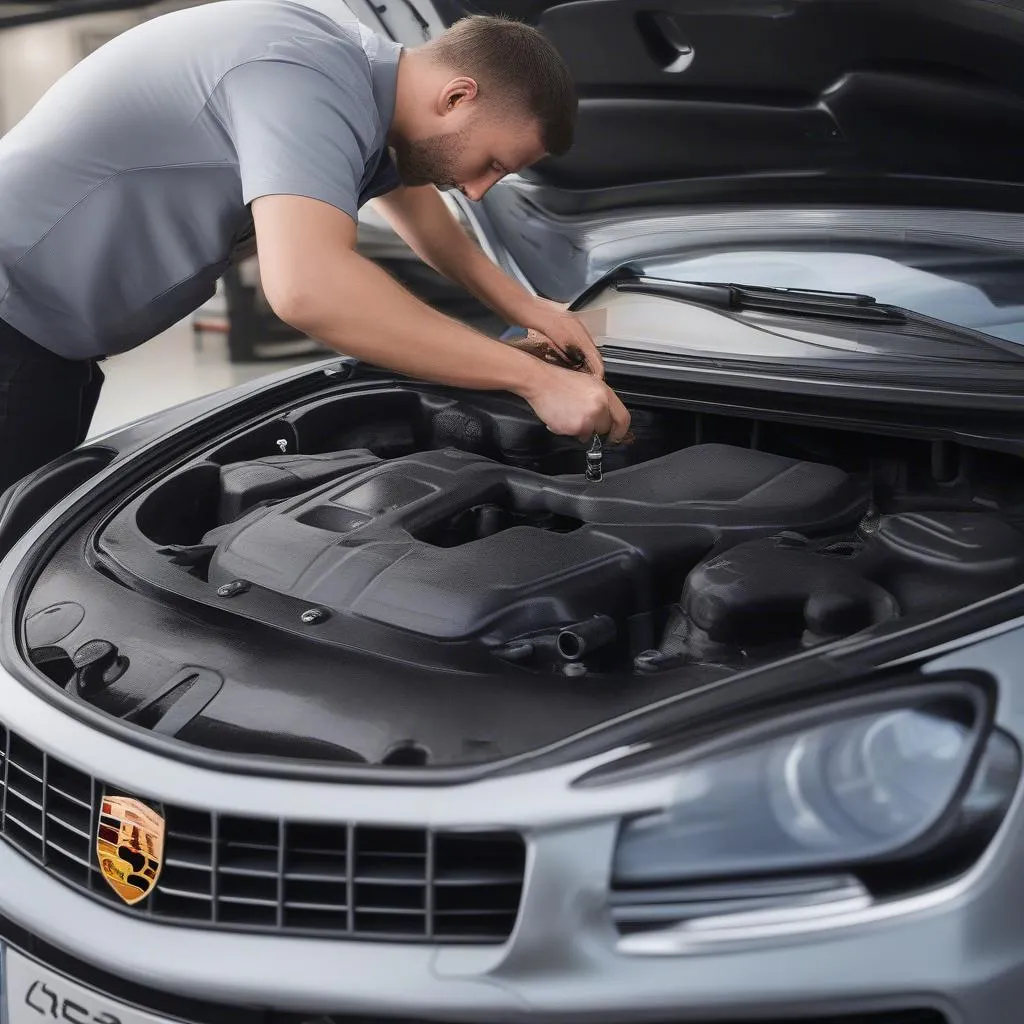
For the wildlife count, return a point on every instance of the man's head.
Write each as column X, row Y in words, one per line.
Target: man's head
column 488, row 97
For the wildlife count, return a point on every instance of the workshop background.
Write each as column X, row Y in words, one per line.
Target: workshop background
column 235, row 337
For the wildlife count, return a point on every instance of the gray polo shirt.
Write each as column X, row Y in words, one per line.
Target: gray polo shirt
column 124, row 193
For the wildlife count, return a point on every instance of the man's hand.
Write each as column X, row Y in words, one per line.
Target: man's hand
column 565, row 333
column 578, row 405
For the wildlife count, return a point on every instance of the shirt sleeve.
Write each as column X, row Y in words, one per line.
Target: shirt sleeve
column 298, row 132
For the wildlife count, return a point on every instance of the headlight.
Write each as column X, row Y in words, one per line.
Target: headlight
column 847, row 790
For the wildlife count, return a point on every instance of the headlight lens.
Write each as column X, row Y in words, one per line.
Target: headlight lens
column 844, row 790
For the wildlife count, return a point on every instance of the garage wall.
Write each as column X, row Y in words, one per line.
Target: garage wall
column 33, row 57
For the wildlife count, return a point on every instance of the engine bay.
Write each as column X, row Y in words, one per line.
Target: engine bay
column 399, row 573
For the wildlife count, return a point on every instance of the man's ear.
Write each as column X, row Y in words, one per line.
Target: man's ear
column 457, row 92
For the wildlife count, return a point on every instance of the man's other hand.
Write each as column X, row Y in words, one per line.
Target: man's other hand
column 565, row 332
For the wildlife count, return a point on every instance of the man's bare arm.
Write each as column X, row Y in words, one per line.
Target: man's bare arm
column 314, row 280
column 423, row 219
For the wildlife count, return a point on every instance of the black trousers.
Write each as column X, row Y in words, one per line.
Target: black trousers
column 46, row 404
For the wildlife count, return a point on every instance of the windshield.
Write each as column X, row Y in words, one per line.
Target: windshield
column 974, row 289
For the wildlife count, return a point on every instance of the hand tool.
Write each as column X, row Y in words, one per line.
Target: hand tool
column 595, row 459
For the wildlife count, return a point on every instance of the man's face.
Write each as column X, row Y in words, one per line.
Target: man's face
column 476, row 148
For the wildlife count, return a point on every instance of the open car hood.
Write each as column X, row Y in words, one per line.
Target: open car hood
column 698, row 97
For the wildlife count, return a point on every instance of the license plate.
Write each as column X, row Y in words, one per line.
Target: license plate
column 33, row 993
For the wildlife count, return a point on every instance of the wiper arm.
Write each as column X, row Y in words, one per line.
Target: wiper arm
column 821, row 305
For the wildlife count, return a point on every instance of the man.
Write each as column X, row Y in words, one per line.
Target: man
column 131, row 185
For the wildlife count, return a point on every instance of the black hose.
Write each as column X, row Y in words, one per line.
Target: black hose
column 583, row 637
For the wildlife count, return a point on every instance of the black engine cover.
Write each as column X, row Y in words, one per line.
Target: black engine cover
column 451, row 545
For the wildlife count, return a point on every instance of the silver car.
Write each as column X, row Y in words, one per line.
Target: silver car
column 343, row 697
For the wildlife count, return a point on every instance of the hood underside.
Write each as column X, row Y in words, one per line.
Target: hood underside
column 802, row 92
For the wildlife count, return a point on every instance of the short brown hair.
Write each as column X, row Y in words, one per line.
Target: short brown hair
column 514, row 62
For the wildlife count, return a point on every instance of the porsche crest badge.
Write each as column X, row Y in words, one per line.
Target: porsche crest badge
column 130, row 847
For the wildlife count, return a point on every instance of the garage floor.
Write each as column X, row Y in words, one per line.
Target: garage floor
column 169, row 370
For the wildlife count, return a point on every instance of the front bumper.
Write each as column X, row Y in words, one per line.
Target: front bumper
column 867, row 975
column 36, row 990
column 565, row 975
column 958, row 950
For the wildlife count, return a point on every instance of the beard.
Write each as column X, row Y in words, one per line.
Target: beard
column 429, row 161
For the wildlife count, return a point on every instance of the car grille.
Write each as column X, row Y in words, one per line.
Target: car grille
column 278, row 876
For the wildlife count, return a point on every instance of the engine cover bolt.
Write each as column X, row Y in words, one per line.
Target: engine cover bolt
column 574, row 669
column 233, row 588
column 313, row 615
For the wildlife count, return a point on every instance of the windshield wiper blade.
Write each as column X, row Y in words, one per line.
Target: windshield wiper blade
column 806, row 301
column 850, row 307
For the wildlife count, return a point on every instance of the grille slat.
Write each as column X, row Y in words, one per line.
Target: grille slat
column 86, row 862
column 184, row 894
column 31, row 794
column 272, row 876
column 480, row 878
column 26, row 773
column 332, row 907
column 248, row 901
column 25, row 829
column 187, row 864
column 71, row 798
column 314, row 876
column 473, row 912
column 410, row 912
column 249, row 872
column 73, row 827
